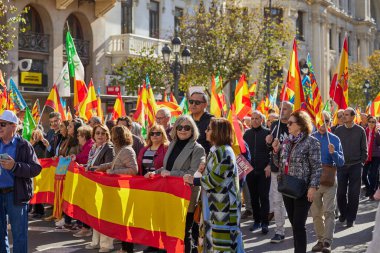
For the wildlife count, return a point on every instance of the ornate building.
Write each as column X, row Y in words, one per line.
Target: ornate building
column 321, row 25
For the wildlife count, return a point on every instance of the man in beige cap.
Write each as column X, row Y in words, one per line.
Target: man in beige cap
column 18, row 164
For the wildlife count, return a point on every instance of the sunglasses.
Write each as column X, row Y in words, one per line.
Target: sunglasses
column 372, row 122
column 3, row 124
column 290, row 123
column 196, row 102
column 185, row 128
column 155, row 133
column 100, row 133
column 327, row 121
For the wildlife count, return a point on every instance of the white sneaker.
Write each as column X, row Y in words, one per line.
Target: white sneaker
column 84, row 232
column 60, row 223
column 105, row 250
column 91, row 246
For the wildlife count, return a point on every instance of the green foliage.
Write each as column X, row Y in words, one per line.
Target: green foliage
column 357, row 76
column 133, row 70
column 232, row 40
column 10, row 17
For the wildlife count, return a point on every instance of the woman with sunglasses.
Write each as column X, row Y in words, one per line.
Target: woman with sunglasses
column 184, row 156
column 101, row 152
column 124, row 162
column 151, row 157
column 371, row 167
column 299, row 157
column 221, row 200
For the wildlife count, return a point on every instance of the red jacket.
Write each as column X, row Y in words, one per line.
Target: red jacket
column 158, row 159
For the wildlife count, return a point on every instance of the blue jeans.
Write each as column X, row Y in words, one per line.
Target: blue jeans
column 18, row 218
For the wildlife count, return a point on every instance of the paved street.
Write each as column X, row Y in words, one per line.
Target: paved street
column 45, row 238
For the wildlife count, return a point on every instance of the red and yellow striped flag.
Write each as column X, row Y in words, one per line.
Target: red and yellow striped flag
column 125, row 207
column 242, row 100
column 54, row 102
column 216, row 106
column 174, row 108
column 90, row 103
column 36, row 111
column 118, row 108
column 44, row 182
column 339, row 82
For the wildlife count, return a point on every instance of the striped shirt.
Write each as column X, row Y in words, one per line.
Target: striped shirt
column 147, row 161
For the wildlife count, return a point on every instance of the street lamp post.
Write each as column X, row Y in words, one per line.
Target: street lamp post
column 268, row 64
column 366, row 89
column 176, row 65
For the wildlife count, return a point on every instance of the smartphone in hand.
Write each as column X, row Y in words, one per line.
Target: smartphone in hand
column 4, row 156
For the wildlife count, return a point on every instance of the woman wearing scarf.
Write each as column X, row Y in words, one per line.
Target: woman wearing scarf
column 221, row 200
column 300, row 157
column 371, row 167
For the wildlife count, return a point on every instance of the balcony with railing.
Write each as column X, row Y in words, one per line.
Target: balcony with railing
column 33, row 42
column 83, row 50
column 132, row 44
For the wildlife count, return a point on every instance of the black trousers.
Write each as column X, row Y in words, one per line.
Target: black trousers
column 370, row 175
column 39, row 209
column 297, row 210
column 348, row 193
column 188, row 240
column 259, row 186
column 127, row 246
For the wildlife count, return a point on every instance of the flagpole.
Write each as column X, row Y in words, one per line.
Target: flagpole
column 282, row 105
column 39, row 120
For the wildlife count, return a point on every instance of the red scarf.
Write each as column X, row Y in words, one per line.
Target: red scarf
column 370, row 138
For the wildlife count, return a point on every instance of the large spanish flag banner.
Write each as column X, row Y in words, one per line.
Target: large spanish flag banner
column 129, row 208
column 44, row 182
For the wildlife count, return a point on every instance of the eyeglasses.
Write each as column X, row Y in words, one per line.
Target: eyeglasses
column 372, row 122
column 196, row 102
column 160, row 118
column 100, row 133
column 340, row 116
column 3, row 124
column 290, row 123
column 185, row 128
column 155, row 133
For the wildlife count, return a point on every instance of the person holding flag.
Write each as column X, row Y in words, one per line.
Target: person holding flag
column 323, row 206
column 279, row 130
column 258, row 181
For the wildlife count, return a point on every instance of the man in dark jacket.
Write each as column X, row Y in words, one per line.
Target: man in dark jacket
column 258, row 180
column 197, row 105
column 19, row 164
column 53, row 135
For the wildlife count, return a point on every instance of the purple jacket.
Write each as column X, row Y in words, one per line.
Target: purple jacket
column 26, row 167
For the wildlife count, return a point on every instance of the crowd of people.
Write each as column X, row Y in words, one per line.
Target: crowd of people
column 297, row 168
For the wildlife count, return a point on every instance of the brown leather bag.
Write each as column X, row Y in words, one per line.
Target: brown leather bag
column 328, row 175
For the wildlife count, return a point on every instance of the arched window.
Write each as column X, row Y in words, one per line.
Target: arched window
column 75, row 28
column 33, row 21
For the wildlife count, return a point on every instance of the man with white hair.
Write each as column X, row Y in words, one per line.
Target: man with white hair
column 18, row 164
column 95, row 120
column 163, row 117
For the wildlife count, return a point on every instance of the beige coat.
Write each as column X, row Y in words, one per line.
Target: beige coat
column 125, row 162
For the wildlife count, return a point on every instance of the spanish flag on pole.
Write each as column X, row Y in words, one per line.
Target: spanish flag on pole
column 118, row 108
column 54, row 102
column 293, row 81
column 242, row 101
column 339, row 83
column 87, row 107
column 216, row 106
column 76, row 71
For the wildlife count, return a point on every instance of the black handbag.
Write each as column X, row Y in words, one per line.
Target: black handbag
column 291, row 186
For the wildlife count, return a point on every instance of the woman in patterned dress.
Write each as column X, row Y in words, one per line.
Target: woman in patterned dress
column 221, row 201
